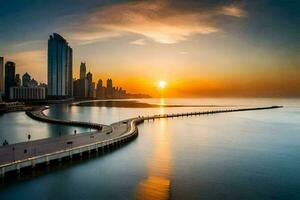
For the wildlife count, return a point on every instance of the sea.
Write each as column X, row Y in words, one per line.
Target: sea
column 239, row 155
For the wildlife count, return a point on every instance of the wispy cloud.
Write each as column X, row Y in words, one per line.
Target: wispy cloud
column 234, row 11
column 155, row 20
column 139, row 42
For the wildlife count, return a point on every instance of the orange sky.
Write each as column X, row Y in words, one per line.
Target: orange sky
column 200, row 49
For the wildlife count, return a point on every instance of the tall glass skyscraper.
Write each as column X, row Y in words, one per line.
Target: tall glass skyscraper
column 60, row 67
column 10, row 73
column 1, row 75
column 82, row 70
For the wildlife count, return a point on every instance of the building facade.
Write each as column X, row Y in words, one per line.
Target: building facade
column 26, row 78
column 82, row 70
column 60, row 67
column 91, row 85
column 80, row 89
column 10, row 73
column 1, row 76
column 27, row 93
column 17, row 80
column 100, row 90
column 109, row 88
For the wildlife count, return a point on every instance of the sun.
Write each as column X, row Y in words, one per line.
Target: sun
column 162, row 84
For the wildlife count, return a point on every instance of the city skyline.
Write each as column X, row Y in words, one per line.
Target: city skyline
column 149, row 99
column 207, row 48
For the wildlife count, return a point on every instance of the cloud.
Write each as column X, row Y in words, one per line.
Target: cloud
column 156, row 20
column 138, row 42
column 233, row 11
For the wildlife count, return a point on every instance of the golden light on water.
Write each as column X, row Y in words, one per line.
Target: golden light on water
column 158, row 184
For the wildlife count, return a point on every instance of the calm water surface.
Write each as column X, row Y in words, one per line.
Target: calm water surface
column 243, row 155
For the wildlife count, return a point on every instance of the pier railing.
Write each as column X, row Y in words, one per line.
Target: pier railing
column 46, row 158
column 40, row 116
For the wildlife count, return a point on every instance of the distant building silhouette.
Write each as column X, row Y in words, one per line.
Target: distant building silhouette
column 10, row 71
column 33, row 83
column 1, row 76
column 109, row 88
column 82, row 70
column 100, row 90
column 26, row 78
column 17, row 80
column 60, row 63
column 91, row 85
column 80, row 88
column 84, row 88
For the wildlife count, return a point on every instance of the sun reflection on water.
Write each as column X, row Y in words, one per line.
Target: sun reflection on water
column 162, row 108
column 157, row 184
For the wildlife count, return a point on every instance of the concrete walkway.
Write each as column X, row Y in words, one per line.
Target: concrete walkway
column 16, row 156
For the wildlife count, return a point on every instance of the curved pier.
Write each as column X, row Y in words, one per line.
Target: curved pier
column 40, row 116
column 28, row 155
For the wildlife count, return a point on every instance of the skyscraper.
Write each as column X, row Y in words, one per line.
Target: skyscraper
column 1, row 75
column 109, row 88
column 91, row 85
column 10, row 70
column 100, row 89
column 80, row 88
column 60, row 64
column 82, row 70
column 89, row 77
column 99, row 84
column 17, row 80
column 70, row 71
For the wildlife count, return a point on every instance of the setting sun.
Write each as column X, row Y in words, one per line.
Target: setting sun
column 162, row 84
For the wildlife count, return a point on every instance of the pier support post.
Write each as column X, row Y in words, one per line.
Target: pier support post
column 47, row 160
column 2, row 172
column 18, row 169
column 33, row 164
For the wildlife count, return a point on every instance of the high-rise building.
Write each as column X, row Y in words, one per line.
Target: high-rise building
column 91, row 85
column 89, row 77
column 80, row 88
column 10, row 71
column 17, row 80
column 26, row 78
column 60, row 64
column 82, row 70
column 109, row 88
column 100, row 89
column 1, row 76
column 70, row 72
